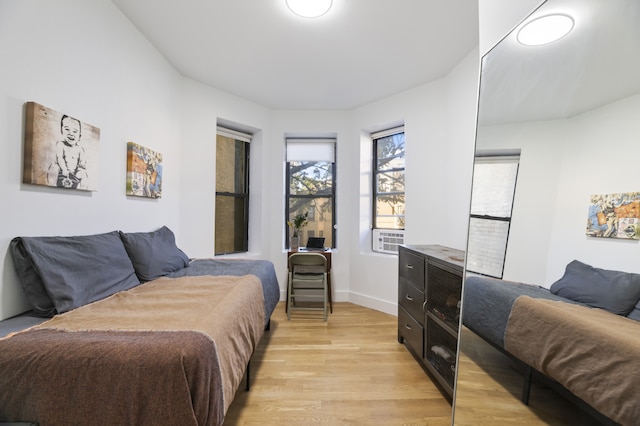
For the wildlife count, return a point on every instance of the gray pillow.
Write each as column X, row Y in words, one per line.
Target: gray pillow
column 635, row 313
column 80, row 269
column 615, row 291
column 30, row 280
column 154, row 254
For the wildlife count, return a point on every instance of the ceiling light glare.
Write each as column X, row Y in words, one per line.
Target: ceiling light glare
column 545, row 29
column 309, row 8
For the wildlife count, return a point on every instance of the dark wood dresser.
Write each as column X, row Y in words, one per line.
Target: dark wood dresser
column 429, row 289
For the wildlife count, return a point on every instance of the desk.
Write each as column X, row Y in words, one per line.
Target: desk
column 327, row 255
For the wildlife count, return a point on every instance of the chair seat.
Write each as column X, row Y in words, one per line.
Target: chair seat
column 308, row 277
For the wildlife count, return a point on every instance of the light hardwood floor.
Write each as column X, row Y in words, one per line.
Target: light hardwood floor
column 350, row 370
column 489, row 389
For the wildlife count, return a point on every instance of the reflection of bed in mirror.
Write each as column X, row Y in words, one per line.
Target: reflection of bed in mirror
column 556, row 336
column 569, row 109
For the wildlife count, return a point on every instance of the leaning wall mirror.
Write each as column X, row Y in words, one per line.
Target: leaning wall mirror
column 556, row 180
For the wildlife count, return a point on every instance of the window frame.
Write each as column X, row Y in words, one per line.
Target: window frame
column 331, row 196
column 245, row 196
column 375, row 172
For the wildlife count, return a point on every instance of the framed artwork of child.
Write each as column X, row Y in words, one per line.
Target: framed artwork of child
column 59, row 150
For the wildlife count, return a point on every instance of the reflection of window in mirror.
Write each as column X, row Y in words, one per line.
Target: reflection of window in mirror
column 494, row 184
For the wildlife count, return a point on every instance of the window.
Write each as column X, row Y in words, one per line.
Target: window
column 311, row 178
column 494, row 184
column 232, row 192
column 388, row 179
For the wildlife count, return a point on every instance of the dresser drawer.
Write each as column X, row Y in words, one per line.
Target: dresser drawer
column 411, row 332
column 411, row 267
column 411, row 299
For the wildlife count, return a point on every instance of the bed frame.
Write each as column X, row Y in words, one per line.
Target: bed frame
column 183, row 331
column 487, row 304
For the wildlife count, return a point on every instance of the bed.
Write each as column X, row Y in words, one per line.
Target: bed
column 134, row 332
column 581, row 336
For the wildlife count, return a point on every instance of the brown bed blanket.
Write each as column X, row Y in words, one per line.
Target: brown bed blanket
column 170, row 352
column 593, row 353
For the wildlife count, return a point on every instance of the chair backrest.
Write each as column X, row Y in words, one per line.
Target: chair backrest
column 307, row 259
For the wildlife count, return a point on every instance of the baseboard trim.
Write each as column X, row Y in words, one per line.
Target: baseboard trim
column 374, row 303
column 360, row 299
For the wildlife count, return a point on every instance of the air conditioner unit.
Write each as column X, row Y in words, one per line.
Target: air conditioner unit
column 387, row 241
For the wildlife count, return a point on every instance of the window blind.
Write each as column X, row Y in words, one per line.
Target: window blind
column 494, row 181
column 387, row 132
column 311, row 150
column 234, row 134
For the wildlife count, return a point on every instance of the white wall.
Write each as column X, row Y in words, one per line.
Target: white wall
column 86, row 59
column 314, row 123
column 439, row 121
column 601, row 157
column 201, row 107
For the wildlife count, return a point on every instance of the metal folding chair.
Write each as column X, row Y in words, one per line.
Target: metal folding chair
column 307, row 282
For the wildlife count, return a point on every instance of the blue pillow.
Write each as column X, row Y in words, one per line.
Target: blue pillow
column 154, row 254
column 80, row 269
column 615, row 291
column 30, row 281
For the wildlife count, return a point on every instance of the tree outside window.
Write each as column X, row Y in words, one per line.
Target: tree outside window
column 388, row 182
column 311, row 190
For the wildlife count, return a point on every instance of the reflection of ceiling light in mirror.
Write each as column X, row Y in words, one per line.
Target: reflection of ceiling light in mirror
column 309, row 8
column 545, row 29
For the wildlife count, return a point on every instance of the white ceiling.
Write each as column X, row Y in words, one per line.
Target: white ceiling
column 359, row 52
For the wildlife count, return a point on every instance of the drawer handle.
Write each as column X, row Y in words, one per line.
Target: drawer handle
column 409, row 298
column 409, row 266
column 424, row 306
column 407, row 326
